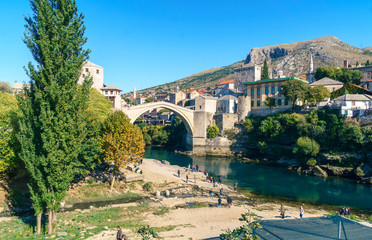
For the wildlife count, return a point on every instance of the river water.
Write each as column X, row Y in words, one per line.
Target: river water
column 275, row 182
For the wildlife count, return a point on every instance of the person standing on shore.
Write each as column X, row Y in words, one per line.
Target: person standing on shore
column 235, row 186
column 219, row 202
column 301, row 211
column 219, row 180
column 221, row 192
column 282, row 211
column 179, row 173
column 187, row 178
column 206, row 176
column 229, row 201
column 211, row 193
column 119, row 234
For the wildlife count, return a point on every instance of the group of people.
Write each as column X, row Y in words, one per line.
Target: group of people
column 283, row 209
column 344, row 211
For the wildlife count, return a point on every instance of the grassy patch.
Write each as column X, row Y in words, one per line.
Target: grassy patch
column 162, row 211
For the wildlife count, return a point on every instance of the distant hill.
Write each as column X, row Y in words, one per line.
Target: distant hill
column 292, row 58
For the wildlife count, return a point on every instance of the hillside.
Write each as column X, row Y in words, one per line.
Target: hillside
column 292, row 58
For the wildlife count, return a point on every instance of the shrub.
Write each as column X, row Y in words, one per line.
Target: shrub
column 247, row 125
column 147, row 186
column 212, row 131
column 311, row 162
column 306, row 147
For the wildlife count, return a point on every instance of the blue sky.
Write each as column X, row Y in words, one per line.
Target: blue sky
column 150, row 42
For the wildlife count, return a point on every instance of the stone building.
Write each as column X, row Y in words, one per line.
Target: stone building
column 260, row 90
column 206, row 104
column 176, row 98
column 141, row 100
column 366, row 80
column 244, row 74
column 113, row 94
column 225, row 88
column 330, row 84
column 95, row 71
column 192, row 94
column 353, row 105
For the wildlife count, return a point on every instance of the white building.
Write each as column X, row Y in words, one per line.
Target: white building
column 353, row 105
column 141, row 100
column 227, row 104
column 113, row 93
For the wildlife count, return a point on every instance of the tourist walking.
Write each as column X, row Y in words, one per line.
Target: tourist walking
column 301, row 211
column 206, row 176
column 219, row 180
column 187, row 178
column 229, row 201
column 119, row 234
column 192, row 168
column 348, row 211
column 235, row 186
column 211, row 193
column 221, row 192
column 197, row 167
column 219, row 202
column 282, row 211
column 179, row 173
column 211, row 179
column 214, row 181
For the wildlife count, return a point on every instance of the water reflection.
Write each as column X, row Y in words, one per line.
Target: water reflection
column 276, row 182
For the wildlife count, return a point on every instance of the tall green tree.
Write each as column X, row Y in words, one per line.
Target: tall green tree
column 265, row 71
column 344, row 75
column 295, row 90
column 122, row 142
column 52, row 129
column 5, row 87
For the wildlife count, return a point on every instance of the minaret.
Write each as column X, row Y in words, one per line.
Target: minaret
column 311, row 64
column 134, row 92
column 310, row 76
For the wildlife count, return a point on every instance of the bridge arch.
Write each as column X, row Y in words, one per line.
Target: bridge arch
column 186, row 115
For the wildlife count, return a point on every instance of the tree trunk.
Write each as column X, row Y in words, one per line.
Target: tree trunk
column 54, row 220
column 112, row 182
column 50, row 222
column 38, row 223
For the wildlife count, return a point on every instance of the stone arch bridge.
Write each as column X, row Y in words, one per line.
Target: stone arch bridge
column 196, row 122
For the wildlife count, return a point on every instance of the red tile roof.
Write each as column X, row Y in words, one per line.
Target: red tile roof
column 226, row 82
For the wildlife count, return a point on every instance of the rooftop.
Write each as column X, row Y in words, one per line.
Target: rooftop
column 275, row 80
column 111, row 87
column 354, row 97
column 226, row 82
column 326, row 81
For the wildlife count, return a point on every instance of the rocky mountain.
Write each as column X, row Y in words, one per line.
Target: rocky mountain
column 292, row 58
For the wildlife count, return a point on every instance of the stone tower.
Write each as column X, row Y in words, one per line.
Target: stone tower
column 310, row 76
column 246, row 73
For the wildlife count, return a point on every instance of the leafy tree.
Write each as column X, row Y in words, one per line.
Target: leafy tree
column 176, row 132
column 270, row 128
column 344, row 75
column 52, row 129
column 212, row 131
column 265, row 71
column 367, row 63
column 352, row 137
column 122, row 142
column 8, row 108
column 150, row 99
column 248, row 125
column 295, row 90
column 5, row 87
column 306, row 147
column 99, row 106
column 318, row 94
column 270, row 102
column 348, row 88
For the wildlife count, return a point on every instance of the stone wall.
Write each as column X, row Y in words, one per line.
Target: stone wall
column 218, row 146
column 244, row 107
column 225, row 121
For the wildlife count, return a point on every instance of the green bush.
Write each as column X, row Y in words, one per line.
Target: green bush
column 306, row 147
column 311, row 162
column 147, row 186
column 212, row 131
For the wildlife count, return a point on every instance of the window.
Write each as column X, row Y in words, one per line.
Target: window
column 252, row 103
column 266, row 90
column 286, row 102
column 252, row 92
column 258, row 103
column 352, row 103
column 272, row 90
column 97, row 71
column 86, row 70
column 83, row 75
column 280, row 89
column 111, row 92
column 199, row 106
column 279, row 102
column 106, row 92
column 258, row 91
